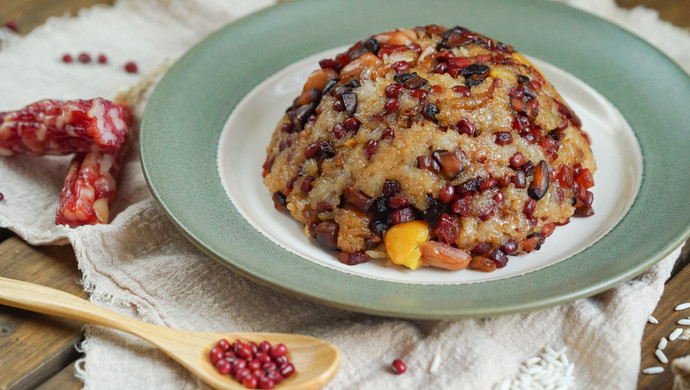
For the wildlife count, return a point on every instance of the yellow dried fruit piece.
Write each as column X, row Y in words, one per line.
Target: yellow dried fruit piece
column 402, row 243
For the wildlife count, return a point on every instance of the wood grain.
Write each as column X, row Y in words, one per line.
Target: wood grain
column 35, row 347
column 677, row 291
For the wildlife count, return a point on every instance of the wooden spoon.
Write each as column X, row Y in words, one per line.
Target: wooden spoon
column 316, row 361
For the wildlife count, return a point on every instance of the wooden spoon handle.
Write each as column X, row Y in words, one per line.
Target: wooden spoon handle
column 46, row 300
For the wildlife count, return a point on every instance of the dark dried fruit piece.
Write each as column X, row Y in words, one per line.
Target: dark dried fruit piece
column 430, row 111
column 474, row 74
column 540, row 182
column 327, row 234
column 450, row 162
column 350, row 101
column 357, row 198
column 353, row 258
column 411, row 80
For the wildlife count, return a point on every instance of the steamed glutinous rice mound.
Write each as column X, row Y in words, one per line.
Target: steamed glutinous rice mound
column 430, row 147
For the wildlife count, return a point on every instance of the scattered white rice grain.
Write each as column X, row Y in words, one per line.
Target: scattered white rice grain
column 685, row 335
column 561, row 352
column 564, row 359
column 661, row 356
column 552, row 360
column 684, row 321
column 662, row 344
column 569, row 370
column 505, row 385
column 532, row 371
column 674, row 335
column 652, row 320
column 683, row 306
column 435, row 363
column 532, row 360
column 653, row 370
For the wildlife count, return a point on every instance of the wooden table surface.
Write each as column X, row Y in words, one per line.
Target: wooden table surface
column 38, row 351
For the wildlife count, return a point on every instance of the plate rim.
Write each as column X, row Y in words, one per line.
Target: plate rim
column 379, row 308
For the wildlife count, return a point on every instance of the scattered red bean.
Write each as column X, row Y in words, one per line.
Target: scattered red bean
column 398, row 367
column 84, row 58
column 255, row 366
column 102, row 59
column 2, row 196
column 67, row 58
column 131, row 67
column 12, row 25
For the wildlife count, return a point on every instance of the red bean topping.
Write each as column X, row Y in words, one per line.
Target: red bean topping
column 510, row 246
column 327, row 63
column 462, row 205
column 339, row 131
column 428, row 163
column 481, row 248
column 547, row 229
column 401, row 67
column 517, row 160
column 370, row 148
column 583, row 211
column 324, row 207
column 307, row 184
column 444, row 56
column 435, row 89
column 487, row 184
column 520, row 122
column 338, row 105
column 398, row 201
column 585, row 179
column 466, row 127
column 504, row 181
column 388, row 134
column 528, row 168
column 419, row 94
column 454, row 71
column 352, row 124
column 393, row 90
column 447, row 228
column 352, row 258
column 550, row 147
column 520, row 179
column 565, row 176
column 540, row 183
column 486, row 213
column 499, row 258
column 503, row 138
column 392, row 105
column 462, row 90
column 391, row 187
column 499, row 198
column 529, row 207
column 446, row 194
column 398, row 367
column 401, row 216
column 441, row 67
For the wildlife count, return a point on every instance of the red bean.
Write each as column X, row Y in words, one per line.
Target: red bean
column 398, row 367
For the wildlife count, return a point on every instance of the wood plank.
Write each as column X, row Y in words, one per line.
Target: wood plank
column 33, row 13
column 63, row 380
column 674, row 11
column 677, row 291
column 35, row 347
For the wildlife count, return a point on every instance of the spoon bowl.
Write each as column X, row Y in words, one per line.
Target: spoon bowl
column 316, row 361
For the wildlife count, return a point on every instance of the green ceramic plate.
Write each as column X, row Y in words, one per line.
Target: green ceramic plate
column 183, row 138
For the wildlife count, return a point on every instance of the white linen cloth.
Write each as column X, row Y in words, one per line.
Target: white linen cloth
column 141, row 266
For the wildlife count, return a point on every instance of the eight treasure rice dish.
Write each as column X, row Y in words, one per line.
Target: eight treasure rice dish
column 430, row 147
